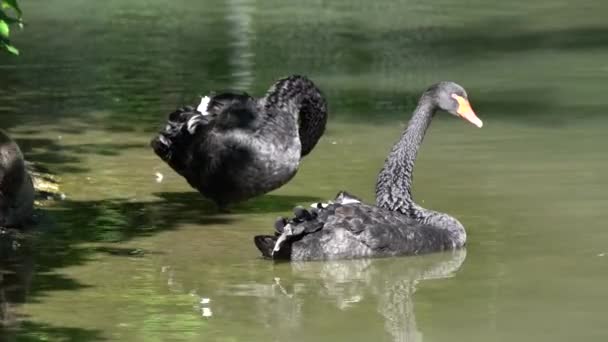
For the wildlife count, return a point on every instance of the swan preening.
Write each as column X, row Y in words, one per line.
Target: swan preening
column 348, row 228
column 16, row 187
column 233, row 147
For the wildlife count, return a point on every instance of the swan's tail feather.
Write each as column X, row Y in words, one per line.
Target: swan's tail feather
column 265, row 244
column 344, row 197
column 278, row 247
column 279, row 225
column 171, row 143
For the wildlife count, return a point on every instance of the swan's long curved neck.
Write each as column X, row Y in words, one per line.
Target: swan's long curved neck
column 300, row 97
column 394, row 184
column 287, row 94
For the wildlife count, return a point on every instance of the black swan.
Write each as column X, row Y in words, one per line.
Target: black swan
column 234, row 147
column 347, row 228
column 16, row 187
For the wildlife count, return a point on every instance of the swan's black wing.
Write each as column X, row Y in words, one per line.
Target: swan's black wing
column 353, row 230
column 188, row 127
column 179, row 143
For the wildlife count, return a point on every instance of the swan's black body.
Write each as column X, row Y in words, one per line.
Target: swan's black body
column 348, row 228
column 16, row 188
column 350, row 231
column 242, row 147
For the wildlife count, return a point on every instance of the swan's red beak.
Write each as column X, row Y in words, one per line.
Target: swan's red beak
column 466, row 112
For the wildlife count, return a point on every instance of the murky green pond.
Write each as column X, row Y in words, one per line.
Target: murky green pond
column 126, row 258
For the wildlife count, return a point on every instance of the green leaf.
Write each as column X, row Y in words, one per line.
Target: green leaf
column 12, row 4
column 12, row 50
column 5, row 44
column 4, row 29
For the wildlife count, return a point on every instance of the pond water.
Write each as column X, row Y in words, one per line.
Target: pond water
column 124, row 257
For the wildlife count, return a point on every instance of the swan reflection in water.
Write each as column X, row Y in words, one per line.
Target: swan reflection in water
column 291, row 303
column 16, row 273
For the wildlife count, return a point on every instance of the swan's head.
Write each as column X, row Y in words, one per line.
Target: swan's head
column 452, row 98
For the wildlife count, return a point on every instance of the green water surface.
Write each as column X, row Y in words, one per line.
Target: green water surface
column 126, row 258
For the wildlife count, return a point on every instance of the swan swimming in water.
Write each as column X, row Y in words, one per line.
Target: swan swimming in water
column 16, row 187
column 233, row 147
column 347, row 228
